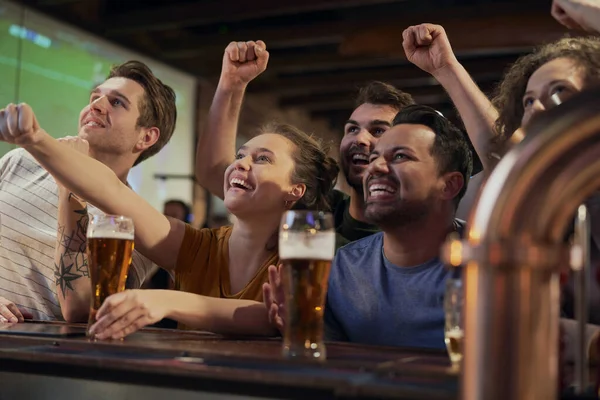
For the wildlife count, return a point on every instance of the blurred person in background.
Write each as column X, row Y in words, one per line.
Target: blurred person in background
column 178, row 209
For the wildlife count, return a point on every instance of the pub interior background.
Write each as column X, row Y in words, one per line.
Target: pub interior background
column 53, row 52
column 321, row 52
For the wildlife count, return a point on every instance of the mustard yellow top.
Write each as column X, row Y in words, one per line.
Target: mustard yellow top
column 203, row 265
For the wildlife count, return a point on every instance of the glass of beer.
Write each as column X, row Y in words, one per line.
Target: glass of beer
column 306, row 248
column 453, row 330
column 109, row 252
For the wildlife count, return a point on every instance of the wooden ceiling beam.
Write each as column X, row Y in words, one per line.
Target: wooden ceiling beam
column 469, row 32
column 348, row 103
column 216, row 11
column 314, row 62
column 403, row 76
column 185, row 45
column 86, row 14
column 494, row 27
column 430, row 95
column 46, row 3
column 290, row 87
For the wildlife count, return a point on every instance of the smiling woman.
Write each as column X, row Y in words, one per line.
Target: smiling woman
column 535, row 83
column 563, row 67
column 279, row 169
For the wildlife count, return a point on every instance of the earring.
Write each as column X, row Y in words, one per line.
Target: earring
column 288, row 204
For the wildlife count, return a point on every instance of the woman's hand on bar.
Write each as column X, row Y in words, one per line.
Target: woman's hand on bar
column 126, row 312
column 274, row 298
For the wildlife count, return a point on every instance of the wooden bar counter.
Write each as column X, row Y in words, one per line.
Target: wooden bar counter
column 172, row 365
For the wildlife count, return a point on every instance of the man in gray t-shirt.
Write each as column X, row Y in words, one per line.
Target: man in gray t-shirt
column 373, row 301
column 387, row 289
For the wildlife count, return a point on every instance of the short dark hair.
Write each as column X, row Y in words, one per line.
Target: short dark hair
column 157, row 109
column 381, row 93
column 450, row 147
column 312, row 166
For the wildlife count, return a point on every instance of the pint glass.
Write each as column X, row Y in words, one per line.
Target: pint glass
column 453, row 310
column 109, row 252
column 306, row 248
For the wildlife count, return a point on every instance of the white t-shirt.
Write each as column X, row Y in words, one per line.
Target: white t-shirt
column 28, row 225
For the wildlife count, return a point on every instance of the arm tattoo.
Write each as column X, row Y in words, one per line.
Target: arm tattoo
column 73, row 244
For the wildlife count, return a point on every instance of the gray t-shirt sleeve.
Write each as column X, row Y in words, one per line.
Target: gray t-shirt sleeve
column 333, row 329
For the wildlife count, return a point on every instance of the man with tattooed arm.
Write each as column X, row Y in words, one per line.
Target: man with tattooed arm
column 43, row 266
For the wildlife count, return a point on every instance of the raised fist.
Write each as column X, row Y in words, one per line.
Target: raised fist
column 583, row 15
column 18, row 125
column 427, row 47
column 242, row 62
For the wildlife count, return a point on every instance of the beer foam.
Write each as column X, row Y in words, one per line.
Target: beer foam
column 455, row 333
column 318, row 246
column 110, row 234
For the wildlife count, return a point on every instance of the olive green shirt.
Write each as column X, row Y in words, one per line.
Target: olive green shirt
column 347, row 228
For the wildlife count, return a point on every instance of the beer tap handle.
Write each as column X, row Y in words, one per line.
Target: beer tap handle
column 581, row 266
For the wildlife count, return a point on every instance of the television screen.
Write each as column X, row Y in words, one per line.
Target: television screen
column 53, row 67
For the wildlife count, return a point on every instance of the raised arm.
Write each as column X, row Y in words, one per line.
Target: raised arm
column 126, row 312
column 242, row 62
column 427, row 47
column 70, row 260
column 582, row 15
column 156, row 236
